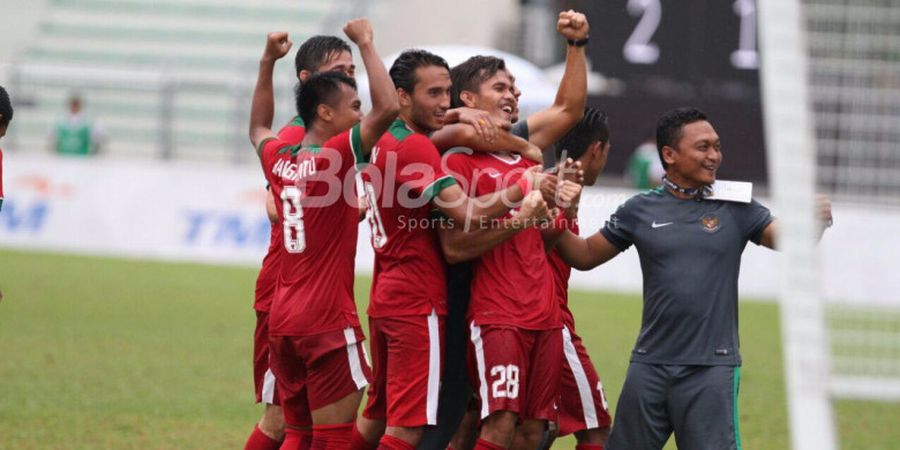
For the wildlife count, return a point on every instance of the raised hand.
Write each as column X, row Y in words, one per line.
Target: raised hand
column 571, row 170
column 567, row 193
column 485, row 125
column 534, row 208
column 277, row 45
column 359, row 31
column 533, row 153
column 823, row 210
column 572, row 25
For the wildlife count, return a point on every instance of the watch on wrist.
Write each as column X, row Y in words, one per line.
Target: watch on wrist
column 578, row 43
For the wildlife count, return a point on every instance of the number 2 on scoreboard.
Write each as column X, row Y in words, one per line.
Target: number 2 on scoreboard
column 292, row 212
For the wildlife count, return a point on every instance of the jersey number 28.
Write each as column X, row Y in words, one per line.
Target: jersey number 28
column 292, row 213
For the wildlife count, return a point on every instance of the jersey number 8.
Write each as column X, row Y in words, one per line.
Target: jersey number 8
column 292, row 212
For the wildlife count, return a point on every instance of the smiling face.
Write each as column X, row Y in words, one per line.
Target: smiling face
column 495, row 95
column 696, row 157
column 427, row 105
column 516, row 93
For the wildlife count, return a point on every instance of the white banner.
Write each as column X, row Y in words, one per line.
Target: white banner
column 212, row 213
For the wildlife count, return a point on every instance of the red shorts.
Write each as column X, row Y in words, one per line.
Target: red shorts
column 582, row 404
column 263, row 379
column 406, row 362
column 318, row 370
column 513, row 369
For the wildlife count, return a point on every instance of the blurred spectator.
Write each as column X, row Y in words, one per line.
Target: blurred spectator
column 76, row 134
column 6, row 115
column 644, row 169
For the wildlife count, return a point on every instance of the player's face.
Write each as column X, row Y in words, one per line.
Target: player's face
column 697, row 157
column 430, row 99
column 516, row 93
column 594, row 161
column 3, row 131
column 347, row 111
column 495, row 95
column 339, row 62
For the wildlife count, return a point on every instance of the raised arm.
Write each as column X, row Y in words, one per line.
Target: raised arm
column 585, row 254
column 453, row 201
column 466, row 135
column 823, row 213
column 385, row 105
column 262, row 108
column 548, row 126
column 461, row 245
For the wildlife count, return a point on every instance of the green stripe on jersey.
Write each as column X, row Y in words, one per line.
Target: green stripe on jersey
column 356, row 145
column 399, row 130
column 298, row 122
column 262, row 144
column 432, row 190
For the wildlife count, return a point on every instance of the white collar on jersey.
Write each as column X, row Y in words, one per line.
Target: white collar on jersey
column 515, row 157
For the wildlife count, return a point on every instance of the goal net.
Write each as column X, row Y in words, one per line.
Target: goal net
column 831, row 93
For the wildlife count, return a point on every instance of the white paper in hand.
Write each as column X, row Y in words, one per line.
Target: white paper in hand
column 732, row 191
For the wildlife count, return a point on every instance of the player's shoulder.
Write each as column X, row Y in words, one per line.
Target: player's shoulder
column 399, row 131
column 649, row 198
column 274, row 143
column 459, row 156
column 342, row 139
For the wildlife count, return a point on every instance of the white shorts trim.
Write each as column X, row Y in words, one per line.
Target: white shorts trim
column 268, row 388
column 434, row 368
column 356, row 370
column 475, row 335
column 584, row 387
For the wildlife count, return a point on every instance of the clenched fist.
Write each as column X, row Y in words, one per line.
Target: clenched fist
column 359, row 31
column 277, row 45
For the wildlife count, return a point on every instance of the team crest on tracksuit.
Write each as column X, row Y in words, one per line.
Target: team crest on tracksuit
column 710, row 223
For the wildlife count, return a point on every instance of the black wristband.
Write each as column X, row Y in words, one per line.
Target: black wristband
column 578, row 43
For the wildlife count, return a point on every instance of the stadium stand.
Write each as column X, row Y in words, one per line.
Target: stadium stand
column 166, row 78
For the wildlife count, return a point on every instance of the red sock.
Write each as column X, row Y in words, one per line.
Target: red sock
column 295, row 439
column 394, row 443
column 259, row 441
column 589, row 447
column 482, row 444
column 332, row 437
column 358, row 442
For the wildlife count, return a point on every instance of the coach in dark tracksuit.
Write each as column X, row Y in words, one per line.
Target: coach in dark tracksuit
column 685, row 367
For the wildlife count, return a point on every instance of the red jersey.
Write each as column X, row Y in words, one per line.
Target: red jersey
column 314, row 287
column 511, row 284
column 561, row 272
column 293, row 134
column 409, row 276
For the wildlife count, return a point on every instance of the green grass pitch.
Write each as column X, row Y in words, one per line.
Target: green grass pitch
column 104, row 353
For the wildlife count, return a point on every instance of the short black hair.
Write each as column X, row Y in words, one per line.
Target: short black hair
column 320, row 88
column 403, row 71
column 317, row 50
column 6, row 109
column 593, row 127
column 468, row 75
column 670, row 125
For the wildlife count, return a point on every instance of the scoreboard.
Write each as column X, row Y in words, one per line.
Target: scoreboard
column 662, row 54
